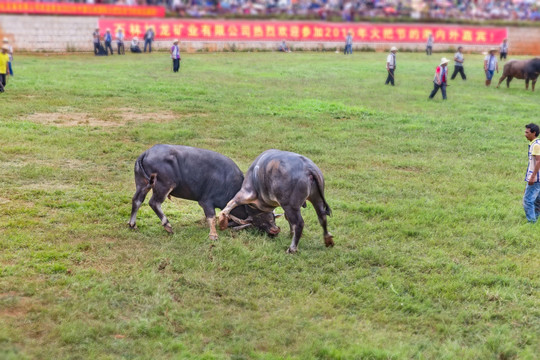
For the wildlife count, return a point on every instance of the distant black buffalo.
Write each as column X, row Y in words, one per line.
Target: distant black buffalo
column 521, row 69
column 190, row 173
column 280, row 178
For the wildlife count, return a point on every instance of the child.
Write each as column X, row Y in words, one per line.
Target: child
column 490, row 65
column 175, row 56
column 10, row 54
column 4, row 67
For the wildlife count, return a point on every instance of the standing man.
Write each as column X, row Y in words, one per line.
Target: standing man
column 175, row 56
column 531, row 198
column 148, row 38
column 504, row 49
column 348, row 43
column 4, row 68
column 458, row 64
column 95, row 34
column 391, row 66
column 10, row 54
column 490, row 65
column 108, row 41
column 429, row 45
column 120, row 41
column 439, row 81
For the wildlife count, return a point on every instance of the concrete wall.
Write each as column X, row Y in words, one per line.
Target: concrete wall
column 63, row 34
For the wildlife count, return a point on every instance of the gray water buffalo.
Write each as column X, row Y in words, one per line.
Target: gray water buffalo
column 521, row 69
column 280, row 178
column 190, row 173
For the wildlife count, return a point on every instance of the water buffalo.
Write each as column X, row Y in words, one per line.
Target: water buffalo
column 521, row 69
column 280, row 178
column 201, row 175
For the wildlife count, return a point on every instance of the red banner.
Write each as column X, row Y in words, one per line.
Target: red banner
column 7, row 7
column 307, row 31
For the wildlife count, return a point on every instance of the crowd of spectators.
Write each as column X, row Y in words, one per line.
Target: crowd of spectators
column 347, row 10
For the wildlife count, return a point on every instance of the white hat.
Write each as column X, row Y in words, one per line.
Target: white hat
column 135, row 38
column 493, row 49
column 5, row 47
column 393, row 48
column 108, row 30
column 444, row 61
column 175, row 41
column 6, row 40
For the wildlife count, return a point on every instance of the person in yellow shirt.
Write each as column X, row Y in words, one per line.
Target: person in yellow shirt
column 4, row 67
column 531, row 197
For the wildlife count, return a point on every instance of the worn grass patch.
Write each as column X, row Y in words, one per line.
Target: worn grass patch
column 433, row 257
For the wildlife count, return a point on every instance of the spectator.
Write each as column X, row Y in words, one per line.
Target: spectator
column 97, row 44
column 135, row 45
column 175, row 56
column 4, row 67
column 283, row 47
column 348, row 43
column 391, row 66
column 458, row 64
column 439, row 81
column 10, row 54
column 490, row 65
column 108, row 41
column 504, row 49
column 120, row 41
column 429, row 45
column 531, row 197
column 148, row 38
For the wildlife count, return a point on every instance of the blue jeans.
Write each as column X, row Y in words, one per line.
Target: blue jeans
column 348, row 49
column 436, row 88
column 489, row 74
column 531, row 201
column 10, row 69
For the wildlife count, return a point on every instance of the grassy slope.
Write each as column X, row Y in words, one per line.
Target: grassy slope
column 433, row 257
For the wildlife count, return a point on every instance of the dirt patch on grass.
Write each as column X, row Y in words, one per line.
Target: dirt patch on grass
column 68, row 117
column 14, row 305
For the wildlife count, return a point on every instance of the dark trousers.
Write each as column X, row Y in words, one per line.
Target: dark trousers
column 96, row 48
column 10, row 69
column 108, row 47
column 3, row 82
column 121, row 50
column 429, row 49
column 176, row 65
column 459, row 69
column 390, row 78
column 503, row 55
column 149, row 44
column 436, row 88
column 348, row 49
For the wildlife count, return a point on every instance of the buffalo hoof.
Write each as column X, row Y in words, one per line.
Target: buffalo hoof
column 213, row 237
column 329, row 240
column 223, row 222
column 168, row 228
column 292, row 250
column 132, row 226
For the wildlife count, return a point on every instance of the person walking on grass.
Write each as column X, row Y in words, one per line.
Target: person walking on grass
column 490, row 65
column 531, row 197
column 458, row 64
column 10, row 54
column 175, row 56
column 391, row 66
column 4, row 67
column 108, row 41
column 504, row 49
column 348, row 43
column 148, row 39
column 429, row 45
column 439, row 81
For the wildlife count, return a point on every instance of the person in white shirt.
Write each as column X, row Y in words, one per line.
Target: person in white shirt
column 135, row 45
column 10, row 54
column 120, row 41
column 504, row 49
column 458, row 64
column 391, row 66
column 490, row 65
column 429, row 45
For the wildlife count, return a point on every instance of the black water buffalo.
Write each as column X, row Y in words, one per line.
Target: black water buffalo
column 521, row 69
column 201, row 175
column 280, row 178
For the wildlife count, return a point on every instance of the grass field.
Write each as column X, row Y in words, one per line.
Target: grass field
column 433, row 257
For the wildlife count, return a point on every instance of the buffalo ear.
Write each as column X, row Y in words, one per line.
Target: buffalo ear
column 240, row 227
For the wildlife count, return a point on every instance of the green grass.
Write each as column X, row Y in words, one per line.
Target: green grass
column 433, row 256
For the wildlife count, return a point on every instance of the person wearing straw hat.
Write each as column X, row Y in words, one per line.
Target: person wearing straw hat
column 108, row 41
column 135, row 45
column 391, row 66
column 4, row 67
column 490, row 65
column 439, row 81
column 10, row 54
column 175, row 56
column 348, row 43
